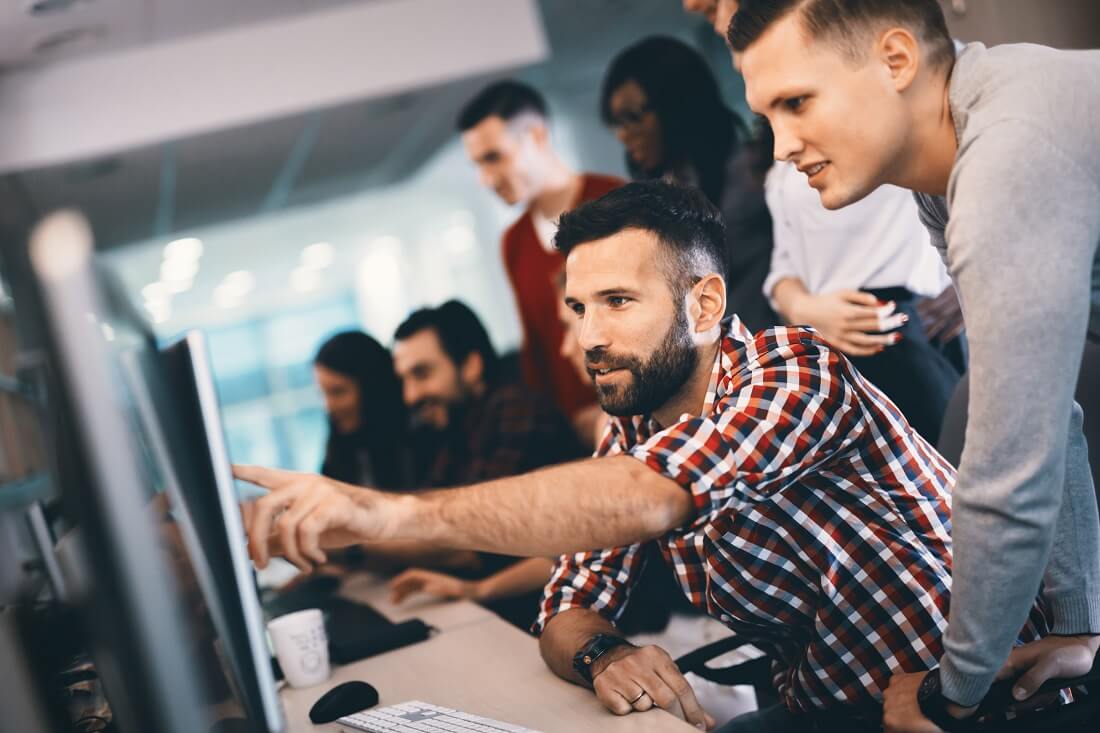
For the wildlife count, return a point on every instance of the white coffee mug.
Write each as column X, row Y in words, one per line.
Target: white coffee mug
column 301, row 646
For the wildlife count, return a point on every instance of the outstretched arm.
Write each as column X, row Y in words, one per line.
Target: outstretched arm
column 602, row 502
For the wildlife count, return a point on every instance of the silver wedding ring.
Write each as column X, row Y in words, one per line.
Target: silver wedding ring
column 639, row 697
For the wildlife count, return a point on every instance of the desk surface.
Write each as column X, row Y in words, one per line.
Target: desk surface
column 486, row 668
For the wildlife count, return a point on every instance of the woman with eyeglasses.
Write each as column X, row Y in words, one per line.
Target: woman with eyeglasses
column 664, row 104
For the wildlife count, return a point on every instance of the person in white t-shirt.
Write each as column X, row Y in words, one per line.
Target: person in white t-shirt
column 857, row 275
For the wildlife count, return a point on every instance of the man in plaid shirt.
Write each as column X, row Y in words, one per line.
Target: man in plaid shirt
column 791, row 498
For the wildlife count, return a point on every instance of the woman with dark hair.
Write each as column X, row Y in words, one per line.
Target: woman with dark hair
column 367, row 421
column 664, row 104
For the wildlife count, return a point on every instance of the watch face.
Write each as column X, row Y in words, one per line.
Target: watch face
column 929, row 686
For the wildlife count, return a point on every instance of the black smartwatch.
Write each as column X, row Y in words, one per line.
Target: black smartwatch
column 933, row 705
column 595, row 648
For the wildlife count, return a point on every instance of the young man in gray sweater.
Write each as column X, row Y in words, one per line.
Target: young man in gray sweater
column 1002, row 149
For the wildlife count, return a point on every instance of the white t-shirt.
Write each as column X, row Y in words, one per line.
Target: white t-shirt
column 878, row 242
column 545, row 229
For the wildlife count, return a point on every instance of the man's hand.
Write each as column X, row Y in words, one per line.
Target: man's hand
column 1048, row 658
column 444, row 586
column 850, row 320
column 303, row 513
column 901, row 712
column 629, row 679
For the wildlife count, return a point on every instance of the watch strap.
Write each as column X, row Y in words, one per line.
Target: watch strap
column 933, row 705
column 593, row 649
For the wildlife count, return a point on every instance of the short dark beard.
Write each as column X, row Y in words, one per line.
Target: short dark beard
column 457, row 408
column 655, row 380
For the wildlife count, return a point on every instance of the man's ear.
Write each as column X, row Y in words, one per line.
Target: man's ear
column 472, row 371
column 539, row 133
column 901, row 53
column 707, row 303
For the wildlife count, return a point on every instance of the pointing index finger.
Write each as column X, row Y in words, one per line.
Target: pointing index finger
column 268, row 478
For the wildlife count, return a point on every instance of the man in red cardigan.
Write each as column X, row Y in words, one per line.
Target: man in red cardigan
column 504, row 130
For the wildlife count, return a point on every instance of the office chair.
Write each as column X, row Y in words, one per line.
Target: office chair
column 755, row 672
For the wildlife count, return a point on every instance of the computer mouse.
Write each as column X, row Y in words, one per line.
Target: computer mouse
column 344, row 699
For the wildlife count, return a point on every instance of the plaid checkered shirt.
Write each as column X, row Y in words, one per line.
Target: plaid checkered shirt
column 822, row 520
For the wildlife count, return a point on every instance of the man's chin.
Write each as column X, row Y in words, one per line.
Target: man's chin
column 612, row 402
column 836, row 197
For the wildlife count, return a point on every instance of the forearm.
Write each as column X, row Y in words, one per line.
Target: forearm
column 585, row 505
column 522, row 577
column 565, row 634
column 786, row 295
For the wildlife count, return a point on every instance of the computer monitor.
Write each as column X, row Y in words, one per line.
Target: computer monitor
column 177, row 402
column 143, row 644
column 173, row 610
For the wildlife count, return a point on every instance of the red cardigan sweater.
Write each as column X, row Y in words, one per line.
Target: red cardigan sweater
column 531, row 270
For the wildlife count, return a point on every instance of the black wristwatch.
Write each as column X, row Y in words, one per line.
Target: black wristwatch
column 595, row 648
column 933, row 705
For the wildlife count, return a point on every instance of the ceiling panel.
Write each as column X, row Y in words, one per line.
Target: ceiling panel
column 119, row 194
column 227, row 174
column 85, row 26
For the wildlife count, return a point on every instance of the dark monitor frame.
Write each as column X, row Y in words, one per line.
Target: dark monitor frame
column 177, row 405
column 134, row 609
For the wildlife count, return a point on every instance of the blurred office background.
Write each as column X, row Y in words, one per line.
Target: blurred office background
column 273, row 171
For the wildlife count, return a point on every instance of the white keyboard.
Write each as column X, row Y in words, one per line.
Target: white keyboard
column 422, row 717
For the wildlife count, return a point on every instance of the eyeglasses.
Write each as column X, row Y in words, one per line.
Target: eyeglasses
column 631, row 117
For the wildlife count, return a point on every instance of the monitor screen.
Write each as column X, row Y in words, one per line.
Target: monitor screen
column 175, row 399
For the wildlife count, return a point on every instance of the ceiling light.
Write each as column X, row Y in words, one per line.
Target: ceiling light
column 459, row 239
column 226, row 299
column 188, row 248
column 175, row 287
column 304, row 280
column 159, row 310
column 154, row 291
column 239, row 283
column 318, row 256
column 178, row 270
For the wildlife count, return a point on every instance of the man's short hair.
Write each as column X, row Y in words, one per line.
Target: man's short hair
column 460, row 333
column 688, row 227
column 847, row 23
column 506, row 99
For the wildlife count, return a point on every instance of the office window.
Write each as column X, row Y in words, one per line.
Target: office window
column 273, row 412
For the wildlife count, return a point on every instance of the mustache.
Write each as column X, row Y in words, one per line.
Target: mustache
column 601, row 355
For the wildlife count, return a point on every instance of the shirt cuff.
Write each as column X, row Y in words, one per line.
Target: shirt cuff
column 1074, row 613
column 770, row 282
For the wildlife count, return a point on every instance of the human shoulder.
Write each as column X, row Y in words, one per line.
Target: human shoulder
column 1015, row 101
column 788, row 359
